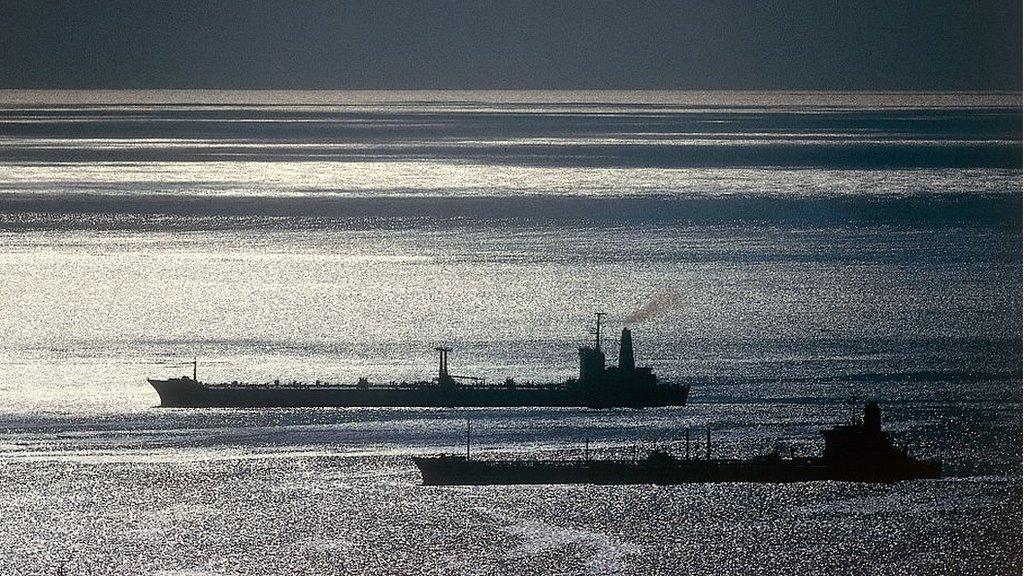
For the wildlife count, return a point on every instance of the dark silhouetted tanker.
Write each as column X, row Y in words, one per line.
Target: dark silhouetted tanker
column 856, row 452
column 598, row 386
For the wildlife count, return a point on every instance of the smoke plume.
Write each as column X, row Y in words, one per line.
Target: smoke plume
column 660, row 303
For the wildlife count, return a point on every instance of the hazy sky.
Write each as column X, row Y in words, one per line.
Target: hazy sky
column 813, row 44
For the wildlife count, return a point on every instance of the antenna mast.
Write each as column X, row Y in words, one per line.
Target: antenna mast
column 597, row 330
column 195, row 369
column 852, row 403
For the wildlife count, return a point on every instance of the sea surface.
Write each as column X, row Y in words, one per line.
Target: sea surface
column 788, row 250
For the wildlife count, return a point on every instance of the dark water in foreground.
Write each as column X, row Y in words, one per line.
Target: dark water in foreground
column 812, row 246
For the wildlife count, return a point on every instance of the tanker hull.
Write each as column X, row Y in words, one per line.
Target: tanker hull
column 856, row 452
column 186, row 393
column 448, row 470
column 598, row 386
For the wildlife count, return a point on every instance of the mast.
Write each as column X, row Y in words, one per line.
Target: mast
column 195, row 369
column 597, row 330
column 852, row 403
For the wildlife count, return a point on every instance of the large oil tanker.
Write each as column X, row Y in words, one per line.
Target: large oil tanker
column 856, row 452
column 597, row 386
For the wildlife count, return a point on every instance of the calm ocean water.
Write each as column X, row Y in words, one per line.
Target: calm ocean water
column 810, row 246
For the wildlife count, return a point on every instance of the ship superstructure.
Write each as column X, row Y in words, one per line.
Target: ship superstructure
column 607, row 386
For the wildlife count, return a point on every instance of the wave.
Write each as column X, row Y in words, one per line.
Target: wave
column 170, row 211
column 580, row 135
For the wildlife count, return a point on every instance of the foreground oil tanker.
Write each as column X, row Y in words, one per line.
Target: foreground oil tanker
column 598, row 386
column 856, row 452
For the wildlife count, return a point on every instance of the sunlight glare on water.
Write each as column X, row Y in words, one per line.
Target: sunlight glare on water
column 811, row 246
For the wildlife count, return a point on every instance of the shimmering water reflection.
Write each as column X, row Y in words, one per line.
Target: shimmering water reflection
column 813, row 246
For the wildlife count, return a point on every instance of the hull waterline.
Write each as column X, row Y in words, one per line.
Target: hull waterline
column 186, row 393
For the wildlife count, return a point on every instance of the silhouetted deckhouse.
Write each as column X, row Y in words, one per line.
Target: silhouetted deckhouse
column 622, row 385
